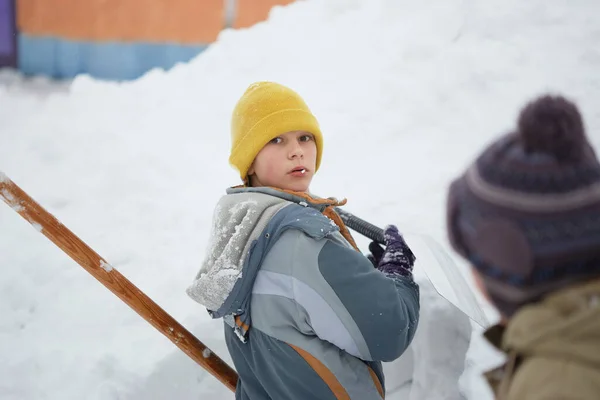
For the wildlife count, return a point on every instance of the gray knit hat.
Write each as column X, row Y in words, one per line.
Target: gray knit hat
column 526, row 214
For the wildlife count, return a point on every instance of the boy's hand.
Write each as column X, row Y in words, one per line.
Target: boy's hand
column 376, row 253
column 397, row 257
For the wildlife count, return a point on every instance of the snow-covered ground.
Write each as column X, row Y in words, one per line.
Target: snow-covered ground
column 407, row 94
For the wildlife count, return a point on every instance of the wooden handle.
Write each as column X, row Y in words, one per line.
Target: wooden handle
column 61, row 236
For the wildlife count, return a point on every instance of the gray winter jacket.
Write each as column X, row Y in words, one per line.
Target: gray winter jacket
column 306, row 315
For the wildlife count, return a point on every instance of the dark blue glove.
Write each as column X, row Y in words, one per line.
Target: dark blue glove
column 397, row 257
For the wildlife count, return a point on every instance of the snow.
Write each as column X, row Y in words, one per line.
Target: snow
column 407, row 93
column 8, row 197
column 105, row 266
column 232, row 233
column 37, row 226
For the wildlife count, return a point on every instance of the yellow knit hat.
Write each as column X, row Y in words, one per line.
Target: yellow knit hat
column 265, row 111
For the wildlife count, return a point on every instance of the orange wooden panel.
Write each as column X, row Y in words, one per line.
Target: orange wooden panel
column 249, row 12
column 180, row 21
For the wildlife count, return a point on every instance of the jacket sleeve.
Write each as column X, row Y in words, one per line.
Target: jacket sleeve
column 349, row 303
column 385, row 309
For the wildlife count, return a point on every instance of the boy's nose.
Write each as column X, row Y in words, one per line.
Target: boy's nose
column 296, row 151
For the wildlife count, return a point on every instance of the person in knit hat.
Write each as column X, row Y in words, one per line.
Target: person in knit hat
column 268, row 111
column 306, row 314
column 526, row 215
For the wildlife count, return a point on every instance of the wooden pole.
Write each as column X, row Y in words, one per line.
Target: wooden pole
column 67, row 241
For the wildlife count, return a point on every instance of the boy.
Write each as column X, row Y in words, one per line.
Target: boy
column 306, row 315
column 526, row 215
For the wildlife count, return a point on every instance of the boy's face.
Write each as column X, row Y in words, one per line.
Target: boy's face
column 286, row 162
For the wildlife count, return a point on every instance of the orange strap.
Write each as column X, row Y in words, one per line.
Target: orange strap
column 376, row 382
column 239, row 323
column 324, row 373
column 329, row 378
column 330, row 212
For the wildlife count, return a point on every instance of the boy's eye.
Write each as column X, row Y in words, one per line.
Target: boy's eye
column 306, row 138
column 276, row 140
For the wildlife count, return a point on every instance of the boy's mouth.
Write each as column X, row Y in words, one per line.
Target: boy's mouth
column 298, row 171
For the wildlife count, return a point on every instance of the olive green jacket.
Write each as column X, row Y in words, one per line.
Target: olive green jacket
column 552, row 348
